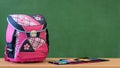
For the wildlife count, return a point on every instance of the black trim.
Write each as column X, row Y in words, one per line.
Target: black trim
column 30, row 48
column 28, row 34
column 47, row 37
column 11, row 46
column 38, row 34
column 45, row 25
column 42, row 21
column 14, row 24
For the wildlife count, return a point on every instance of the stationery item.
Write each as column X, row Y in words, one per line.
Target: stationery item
column 77, row 61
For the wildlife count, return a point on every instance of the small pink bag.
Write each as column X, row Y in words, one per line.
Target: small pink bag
column 26, row 38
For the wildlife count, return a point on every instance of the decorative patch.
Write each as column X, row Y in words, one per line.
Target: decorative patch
column 36, row 42
column 23, row 20
column 26, row 47
column 37, row 17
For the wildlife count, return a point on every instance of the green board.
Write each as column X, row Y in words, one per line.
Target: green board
column 77, row 28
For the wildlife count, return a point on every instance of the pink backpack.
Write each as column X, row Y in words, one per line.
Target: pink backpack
column 26, row 38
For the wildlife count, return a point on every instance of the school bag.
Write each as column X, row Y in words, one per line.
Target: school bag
column 26, row 38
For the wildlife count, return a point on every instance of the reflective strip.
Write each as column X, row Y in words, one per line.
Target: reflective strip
column 9, row 49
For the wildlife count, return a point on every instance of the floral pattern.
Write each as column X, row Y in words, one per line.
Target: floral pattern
column 26, row 47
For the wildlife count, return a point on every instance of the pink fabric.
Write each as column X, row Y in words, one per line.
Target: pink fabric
column 31, row 19
column 43, row 35
column 31, row 55
column 23, row 60
column 28, row 28
column 40, row 53
column 43, row 48
column 21, row 38
column 9, row 33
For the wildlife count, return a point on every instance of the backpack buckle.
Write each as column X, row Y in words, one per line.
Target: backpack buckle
column 33, row 33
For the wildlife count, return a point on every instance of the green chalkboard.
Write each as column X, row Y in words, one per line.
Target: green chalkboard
column 77, row 28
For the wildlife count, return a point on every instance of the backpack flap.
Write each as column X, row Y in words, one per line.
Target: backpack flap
column 26, row 23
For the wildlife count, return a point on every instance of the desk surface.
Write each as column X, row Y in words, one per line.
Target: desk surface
column 113, row 63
